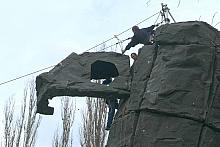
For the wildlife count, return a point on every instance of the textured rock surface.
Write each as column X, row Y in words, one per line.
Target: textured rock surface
column 72, row 77
column 173, row 99
column 175, row 91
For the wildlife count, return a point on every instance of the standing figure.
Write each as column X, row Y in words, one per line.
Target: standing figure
column 112, row 105
column 134, row 56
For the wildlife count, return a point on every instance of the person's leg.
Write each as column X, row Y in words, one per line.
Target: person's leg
column 116, row 104
column 110, row 118
column 111, row 114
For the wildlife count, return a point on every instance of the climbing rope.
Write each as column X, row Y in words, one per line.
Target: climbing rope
column 26, row 75
column 120, row 33
column 113, row 44
column 119, row 42
column 157, row 19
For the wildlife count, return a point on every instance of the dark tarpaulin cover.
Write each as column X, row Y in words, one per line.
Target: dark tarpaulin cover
column 103, row 70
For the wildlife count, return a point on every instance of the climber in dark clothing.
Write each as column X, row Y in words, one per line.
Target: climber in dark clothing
column 107, row 81
column 140, row 36
column 134, row 56
column 112, row 105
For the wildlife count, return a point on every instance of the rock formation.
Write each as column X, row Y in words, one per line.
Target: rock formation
column 72, row 77
column 173, row 99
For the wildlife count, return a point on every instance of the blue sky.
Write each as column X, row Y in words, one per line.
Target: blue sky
column 37, row 34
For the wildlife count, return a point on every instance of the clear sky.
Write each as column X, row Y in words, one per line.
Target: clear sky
column 37, row 34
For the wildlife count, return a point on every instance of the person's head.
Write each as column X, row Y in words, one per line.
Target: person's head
column 135, row 29
column 134, row 56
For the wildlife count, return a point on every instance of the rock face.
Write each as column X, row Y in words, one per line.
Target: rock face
column 173, row 99
column 72, row 77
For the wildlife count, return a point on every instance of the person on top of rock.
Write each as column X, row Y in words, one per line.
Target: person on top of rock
column 112, row 105
column 142, row 36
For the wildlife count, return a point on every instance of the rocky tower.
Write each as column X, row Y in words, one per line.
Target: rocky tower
column 173, row 99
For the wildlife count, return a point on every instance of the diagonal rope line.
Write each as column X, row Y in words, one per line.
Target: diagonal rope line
column 99, row 44
column 139, row 23
column 26, row 75
column 84, row 51
column 122, row 32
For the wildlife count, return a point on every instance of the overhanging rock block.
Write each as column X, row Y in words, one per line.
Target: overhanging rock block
column 72, row 77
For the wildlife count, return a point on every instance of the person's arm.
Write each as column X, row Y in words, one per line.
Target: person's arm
column 151, row 28
column 130, row 44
